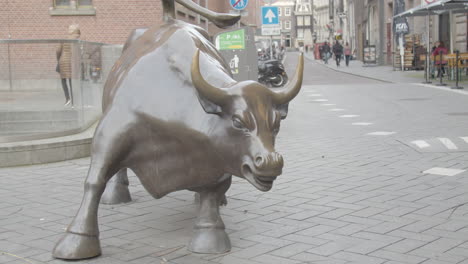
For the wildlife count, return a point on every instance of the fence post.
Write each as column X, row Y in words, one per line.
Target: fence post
column 457, row 76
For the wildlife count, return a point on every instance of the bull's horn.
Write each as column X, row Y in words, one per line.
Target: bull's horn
column 293, row 87
column 219, row 19
column 213, row 94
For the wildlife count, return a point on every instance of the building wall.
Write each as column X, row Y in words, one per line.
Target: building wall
column 322, row 19
column 287, row 34
column 112, row 23
column 114, row 20
column 304, row 23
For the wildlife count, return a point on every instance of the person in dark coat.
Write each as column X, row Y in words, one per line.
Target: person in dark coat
column 326, row 52
column 338, row 51
column 440, row 61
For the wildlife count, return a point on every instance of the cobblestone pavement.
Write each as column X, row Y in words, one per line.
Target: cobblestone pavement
column 355, row 189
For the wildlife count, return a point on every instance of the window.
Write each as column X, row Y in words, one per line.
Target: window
column 287, row 11
column 307, row 21
column 287, row 24
column 299, row 20
column 279, row 10
column 300, row 33
column 72, row 8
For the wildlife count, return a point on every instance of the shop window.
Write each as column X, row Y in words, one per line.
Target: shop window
column 72, row 8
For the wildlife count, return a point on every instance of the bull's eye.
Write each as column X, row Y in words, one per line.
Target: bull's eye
column 237, row 123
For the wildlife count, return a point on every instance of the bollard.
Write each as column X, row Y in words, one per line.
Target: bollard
column 426, row 69
column 440, row 70
column 457, row 53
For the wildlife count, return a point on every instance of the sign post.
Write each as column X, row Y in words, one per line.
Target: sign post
column 238, row 50
column 270, row 24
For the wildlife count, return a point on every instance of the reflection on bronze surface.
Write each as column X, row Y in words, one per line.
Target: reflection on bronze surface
column 179, row 121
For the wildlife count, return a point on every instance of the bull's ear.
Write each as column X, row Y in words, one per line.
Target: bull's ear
column 209, row 107
column 283, row 110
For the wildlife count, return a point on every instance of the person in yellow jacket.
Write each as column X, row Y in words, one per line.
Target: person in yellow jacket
column 64, row 66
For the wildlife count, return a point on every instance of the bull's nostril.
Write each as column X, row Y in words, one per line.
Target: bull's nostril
column 258, row 160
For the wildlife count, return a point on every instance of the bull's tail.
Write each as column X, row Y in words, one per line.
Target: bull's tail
column 219, row 19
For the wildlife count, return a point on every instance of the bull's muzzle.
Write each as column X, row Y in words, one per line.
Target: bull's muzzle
column 271, row 162
column 263, row 170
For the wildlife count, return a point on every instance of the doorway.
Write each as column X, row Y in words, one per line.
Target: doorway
column 444, row 29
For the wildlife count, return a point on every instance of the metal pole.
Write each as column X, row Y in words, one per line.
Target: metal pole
column 428, row 57
column 381, row 32
column 457, row 53
column 271, row 47
column 8, row 48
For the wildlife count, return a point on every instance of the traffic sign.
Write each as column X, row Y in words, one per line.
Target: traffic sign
column 270, row 31
column 238, row 4
column 270, row 15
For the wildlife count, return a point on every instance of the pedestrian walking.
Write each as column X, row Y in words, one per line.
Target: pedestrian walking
column 338, row 51
column 64, row 68
column 347, row 53
column 326, row 52
column 440, row 62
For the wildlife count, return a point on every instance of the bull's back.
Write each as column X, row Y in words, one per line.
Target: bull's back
column 158, row 63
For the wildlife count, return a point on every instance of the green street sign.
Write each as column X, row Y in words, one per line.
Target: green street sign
column 233, row 40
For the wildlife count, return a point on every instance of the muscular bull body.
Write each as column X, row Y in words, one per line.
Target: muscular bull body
column 179, row 121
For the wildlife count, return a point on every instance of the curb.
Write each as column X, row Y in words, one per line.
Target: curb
column 49, row 150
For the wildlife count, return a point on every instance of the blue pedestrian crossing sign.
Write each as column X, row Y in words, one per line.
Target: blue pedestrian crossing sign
column 270, row 15
column 238, row 4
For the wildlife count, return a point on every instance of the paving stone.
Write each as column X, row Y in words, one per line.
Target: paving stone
column 358, row 258
column 367, row 247
column 256, row 250
column 405, row 245
column 291, row 250
column 384, row 254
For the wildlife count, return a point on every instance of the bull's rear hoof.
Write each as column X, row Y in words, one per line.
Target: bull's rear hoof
column 116, row 193
column 75, row 246
column 209, row 241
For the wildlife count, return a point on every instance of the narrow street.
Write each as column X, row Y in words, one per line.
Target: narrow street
column 374, row 173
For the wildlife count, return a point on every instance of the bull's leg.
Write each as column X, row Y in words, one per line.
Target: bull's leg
column 209, row 232
column 81, row 239
column 117, row 189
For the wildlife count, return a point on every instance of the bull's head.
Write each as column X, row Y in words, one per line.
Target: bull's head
column 250, row 115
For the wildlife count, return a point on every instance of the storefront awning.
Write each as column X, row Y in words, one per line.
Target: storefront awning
column 440, row 7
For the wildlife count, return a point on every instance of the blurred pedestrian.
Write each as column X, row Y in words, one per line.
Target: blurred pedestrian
column 436, row 44
column 438, row 58
column 64, row 67
column 347, row 53
column 326, row 52
column 338, row 51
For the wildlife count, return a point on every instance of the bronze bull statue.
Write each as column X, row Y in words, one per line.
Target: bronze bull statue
column 174, row 115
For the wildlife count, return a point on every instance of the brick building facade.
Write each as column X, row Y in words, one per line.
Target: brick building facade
column 106, row 21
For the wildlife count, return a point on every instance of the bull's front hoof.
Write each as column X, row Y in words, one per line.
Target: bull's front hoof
column 116, row 193
column 75, row 246
column 209, row 241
